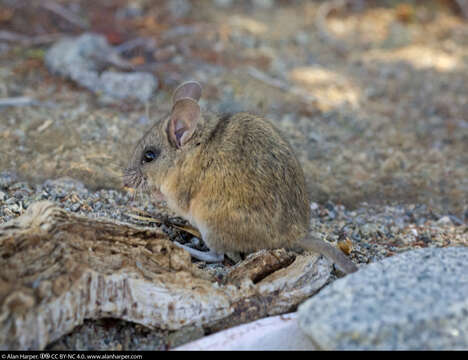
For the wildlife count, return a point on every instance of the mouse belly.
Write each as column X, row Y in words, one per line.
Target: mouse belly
column 231, row 228
column 240, row 236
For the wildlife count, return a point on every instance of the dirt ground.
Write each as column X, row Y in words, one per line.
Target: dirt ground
column 373, row 96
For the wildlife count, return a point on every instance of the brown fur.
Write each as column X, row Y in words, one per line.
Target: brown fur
column 236, row 178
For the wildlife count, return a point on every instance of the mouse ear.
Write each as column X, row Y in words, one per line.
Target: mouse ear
column 187, row 90
column 184, row 118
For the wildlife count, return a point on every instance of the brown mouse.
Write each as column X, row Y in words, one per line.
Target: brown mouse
column 234, row 177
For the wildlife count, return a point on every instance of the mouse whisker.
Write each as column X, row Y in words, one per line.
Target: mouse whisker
column 140, row 192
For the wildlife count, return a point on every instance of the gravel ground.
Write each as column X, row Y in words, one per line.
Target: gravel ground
column 373, row 99
column 374, row 232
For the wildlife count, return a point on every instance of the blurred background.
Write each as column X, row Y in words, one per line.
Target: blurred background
column 373, row 95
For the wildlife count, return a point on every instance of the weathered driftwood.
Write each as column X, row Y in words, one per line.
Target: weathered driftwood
column 58, row 269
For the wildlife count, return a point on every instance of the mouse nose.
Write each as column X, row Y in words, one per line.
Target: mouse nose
column 132, row 177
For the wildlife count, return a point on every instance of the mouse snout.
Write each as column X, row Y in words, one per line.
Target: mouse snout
column 133, row 177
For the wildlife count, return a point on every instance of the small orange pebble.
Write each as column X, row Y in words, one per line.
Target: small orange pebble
column 345, row 245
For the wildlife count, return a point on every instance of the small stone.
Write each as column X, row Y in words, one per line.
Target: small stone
column 314, row 206
column 356, row 236
column 329, row 206
column 98, row 205
column 368, row 229
column 15, row 208
column 445, row 220
column 75, row 207
column 19, row 194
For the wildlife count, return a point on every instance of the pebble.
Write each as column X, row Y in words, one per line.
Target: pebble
column 15, row 208
column 368, row 229
column 75, row 207
column 411, row 301
column 445, row 220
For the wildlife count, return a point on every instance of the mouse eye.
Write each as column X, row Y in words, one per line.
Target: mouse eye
column 149, row 155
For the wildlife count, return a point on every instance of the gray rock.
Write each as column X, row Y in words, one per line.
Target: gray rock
column 413, row 301
column 83, row 58
column 75, row 207
column 125, row 85
column 69, row 55
column 445, row 220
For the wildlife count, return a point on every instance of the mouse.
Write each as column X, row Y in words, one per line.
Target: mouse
column 233, row 176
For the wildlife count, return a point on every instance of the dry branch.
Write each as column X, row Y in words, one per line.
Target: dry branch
column 58, row 269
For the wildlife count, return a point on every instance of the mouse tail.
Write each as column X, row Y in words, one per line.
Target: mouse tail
column 332, row 253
